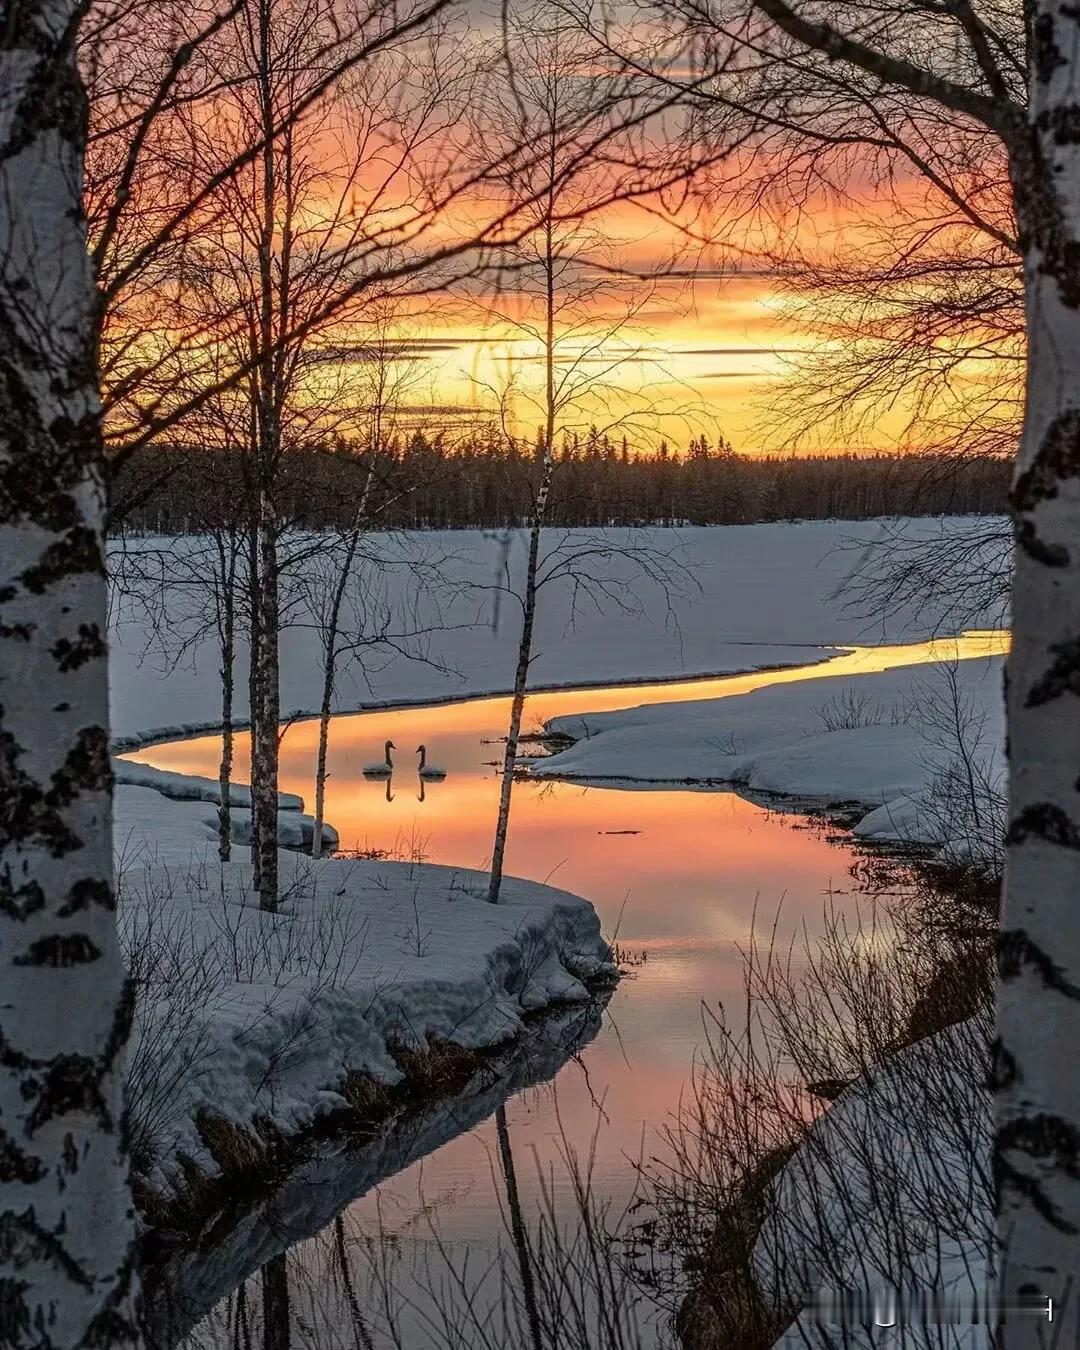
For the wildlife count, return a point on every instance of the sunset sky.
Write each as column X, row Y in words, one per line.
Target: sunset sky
column 708, row 354
column 701, row 354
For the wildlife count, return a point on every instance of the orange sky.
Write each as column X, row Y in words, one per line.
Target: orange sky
column 699, row 353
column 708, row 354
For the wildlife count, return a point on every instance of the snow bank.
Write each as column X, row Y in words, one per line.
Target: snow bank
column 766, row 598
column 340, row 1172
column 159, row 816
column 890, row 1197
column 778, row 740
column 190, row 787
column 259, row 1019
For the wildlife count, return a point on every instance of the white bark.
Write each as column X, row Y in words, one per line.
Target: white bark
column 1037, row 1147
column 66, row 1224
column 331, row 634
column 521, row 680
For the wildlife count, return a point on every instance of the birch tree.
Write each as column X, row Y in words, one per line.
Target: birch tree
column 67, row 1254
column 562, row 298
column 1037, row 1143
column 971, row 62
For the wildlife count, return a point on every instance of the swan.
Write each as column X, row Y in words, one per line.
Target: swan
column 382, row 768
column 428, row 771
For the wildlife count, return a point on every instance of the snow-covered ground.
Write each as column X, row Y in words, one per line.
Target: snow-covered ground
column 880, row 741
column 741, row 598
column 256, row 1018
column 338, row 1171
column 890, row 1201
column 261, row 1021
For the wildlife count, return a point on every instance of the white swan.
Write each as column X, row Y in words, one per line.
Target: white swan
column 383, row 768
column 428, row 771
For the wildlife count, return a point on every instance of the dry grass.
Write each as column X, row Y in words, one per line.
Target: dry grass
column 754, row 1173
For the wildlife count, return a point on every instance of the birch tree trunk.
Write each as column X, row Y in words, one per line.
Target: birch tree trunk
column 264, row 766
column 521, row 675
column 67, row 1250
column 330, row 656
column 227, row 634
column 521, row 680
column 1037, row 1076
column 320, row 757
column 254, row 693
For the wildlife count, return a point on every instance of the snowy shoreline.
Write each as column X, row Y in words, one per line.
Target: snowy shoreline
column 374, row 981
column 866, row 743
column 125, row 745
column 186, row 1278
column 165, row 662
column 270, row 1043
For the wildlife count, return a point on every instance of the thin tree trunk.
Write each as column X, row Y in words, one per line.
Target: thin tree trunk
column 227, row 581
column 329, row 677
column 320, row 758
column 264, row 776
column 275, row 1301
column 521, row 679
column 254, row 695
column 67, row 1252
column 266, row 741
column 330, row 664
column 1037, row 1079
column 521, row 675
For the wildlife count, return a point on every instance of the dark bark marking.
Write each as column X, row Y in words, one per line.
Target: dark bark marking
column 1050, row 555
column 1047, row 821
column 1016, row 951
column 1046, row 55
column 22, row 1235
column 78, row 553
column 1057, row 458
column 85, row 894
column 53, row 98
column 1062, row 122
column 70, row 1083
column 1063, row 677
column 16, row 1164
column 1003, row 1073
column 14, row 1313
column 88, row 646
column 60, row 950
column 1041, row 1136
column 19, row 902
column 27, row 813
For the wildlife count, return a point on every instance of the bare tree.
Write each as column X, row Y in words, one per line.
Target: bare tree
column 912, row 288
column 270, row 272
column 67, row 1259
column 559, row 283
column 971, row 64
column 1037, row 1140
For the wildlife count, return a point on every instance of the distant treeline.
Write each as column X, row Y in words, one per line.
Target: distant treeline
column 425, row 483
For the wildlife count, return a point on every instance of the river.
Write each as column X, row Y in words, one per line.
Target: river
column 679, row 878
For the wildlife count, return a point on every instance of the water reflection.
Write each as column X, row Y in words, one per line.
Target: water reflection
column 192, row 1296
column 683, row 876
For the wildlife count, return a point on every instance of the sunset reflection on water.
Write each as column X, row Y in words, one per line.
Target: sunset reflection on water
column 680, row 875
